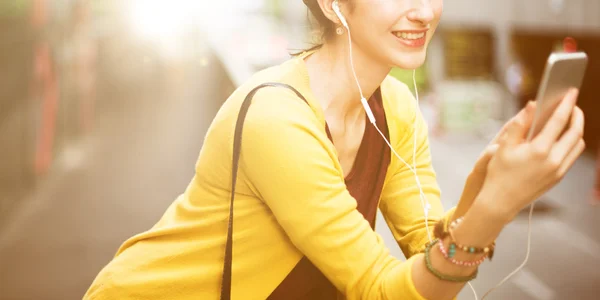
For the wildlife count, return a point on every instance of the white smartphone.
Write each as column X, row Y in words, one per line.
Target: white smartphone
column 563, row 71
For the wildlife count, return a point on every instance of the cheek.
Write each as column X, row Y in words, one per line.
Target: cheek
column 438, row 7
column 374, row 27
column 377, row 16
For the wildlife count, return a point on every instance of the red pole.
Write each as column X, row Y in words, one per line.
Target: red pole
column 49, row 109
column 46, row 78
column 596, row 197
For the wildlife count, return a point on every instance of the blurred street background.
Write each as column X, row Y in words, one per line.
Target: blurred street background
column 104, row 105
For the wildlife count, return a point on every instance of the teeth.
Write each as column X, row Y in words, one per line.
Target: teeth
column 409, row 36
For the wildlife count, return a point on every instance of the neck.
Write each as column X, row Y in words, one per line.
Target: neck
column 332, row 80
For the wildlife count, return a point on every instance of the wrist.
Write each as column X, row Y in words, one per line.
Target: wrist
column 494, row 204
column 481, row 225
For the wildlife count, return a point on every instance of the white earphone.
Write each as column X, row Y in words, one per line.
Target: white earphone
column 424, row 203
column 336, row 8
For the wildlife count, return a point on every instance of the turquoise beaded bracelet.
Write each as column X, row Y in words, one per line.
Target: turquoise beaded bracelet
column 439, row 275
column 441, row 232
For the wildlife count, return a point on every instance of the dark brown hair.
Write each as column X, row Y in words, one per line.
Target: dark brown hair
column 326, row 26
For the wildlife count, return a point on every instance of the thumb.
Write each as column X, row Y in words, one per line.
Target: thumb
column 526, row 114
column 483, row 161
column 515, row 132
column 474, row 181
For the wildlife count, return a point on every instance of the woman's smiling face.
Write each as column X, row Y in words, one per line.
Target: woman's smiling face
column 394, row 32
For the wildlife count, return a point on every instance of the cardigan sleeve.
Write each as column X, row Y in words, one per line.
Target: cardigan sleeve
column 402, row 204
column 289, row 161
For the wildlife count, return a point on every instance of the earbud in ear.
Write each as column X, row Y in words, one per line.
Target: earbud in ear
column 336, row 8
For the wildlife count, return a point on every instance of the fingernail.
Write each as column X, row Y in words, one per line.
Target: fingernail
column 530, row 105
column 573, row 95
column 573, row 92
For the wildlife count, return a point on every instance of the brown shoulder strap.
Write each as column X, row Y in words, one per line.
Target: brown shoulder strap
column 237, row 142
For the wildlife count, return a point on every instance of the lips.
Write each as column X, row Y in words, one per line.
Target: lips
column 413, row 39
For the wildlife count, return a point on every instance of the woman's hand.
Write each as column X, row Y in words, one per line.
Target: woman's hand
column 521, row 170
column 476, row 178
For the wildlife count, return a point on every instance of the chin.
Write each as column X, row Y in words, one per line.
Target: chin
column 408, row 61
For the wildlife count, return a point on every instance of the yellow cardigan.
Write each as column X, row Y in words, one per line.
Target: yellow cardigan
column 291, row 201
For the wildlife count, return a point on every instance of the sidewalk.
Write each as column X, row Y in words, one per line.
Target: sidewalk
column 143, row 155
column 565, row 238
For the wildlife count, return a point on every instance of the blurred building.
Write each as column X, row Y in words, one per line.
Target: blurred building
column 68, row 62
column 21, row 41
column 141, row 80
column 484, row 63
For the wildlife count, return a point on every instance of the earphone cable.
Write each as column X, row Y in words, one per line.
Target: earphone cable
column 424, row 202
column 520, row 267
column 423, row 199
column 352, row 64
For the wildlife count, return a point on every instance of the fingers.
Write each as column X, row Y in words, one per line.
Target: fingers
column 483, row 161
column 571, row 158
column 526, row 113
column 558, row 121
column 528, row 117
column 571, row 141
column 475, row 181
column 515, row 132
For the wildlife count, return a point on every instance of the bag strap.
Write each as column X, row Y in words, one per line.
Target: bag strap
column 237, row 142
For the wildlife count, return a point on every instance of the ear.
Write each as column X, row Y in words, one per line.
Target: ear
column 326, row 7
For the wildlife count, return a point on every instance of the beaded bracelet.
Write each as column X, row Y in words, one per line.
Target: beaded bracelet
column 442, row 231
column 439, row 275
column 460, row 262
column 489, row 251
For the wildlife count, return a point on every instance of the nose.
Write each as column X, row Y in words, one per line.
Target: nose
column 421, row 12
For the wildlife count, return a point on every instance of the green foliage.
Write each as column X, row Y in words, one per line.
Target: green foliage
column 14, row 8
column 406, row 77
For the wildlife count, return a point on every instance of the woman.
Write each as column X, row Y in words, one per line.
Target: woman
column 311, row 177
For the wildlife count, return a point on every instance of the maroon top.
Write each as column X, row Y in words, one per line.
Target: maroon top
column 365, row 183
